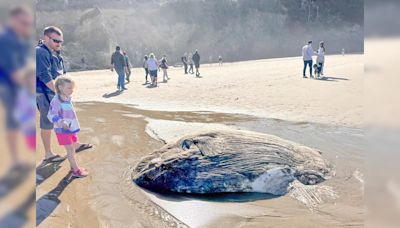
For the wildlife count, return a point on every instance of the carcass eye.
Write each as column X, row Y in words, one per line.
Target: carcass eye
column 186, row 144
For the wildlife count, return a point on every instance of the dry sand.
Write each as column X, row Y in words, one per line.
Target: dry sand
column 272, row 88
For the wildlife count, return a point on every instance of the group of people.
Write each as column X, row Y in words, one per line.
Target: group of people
column 189, row 60
column 308, row 53
column 151, row 66
column 121, row 64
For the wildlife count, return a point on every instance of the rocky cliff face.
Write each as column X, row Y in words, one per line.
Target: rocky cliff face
column 237, row 30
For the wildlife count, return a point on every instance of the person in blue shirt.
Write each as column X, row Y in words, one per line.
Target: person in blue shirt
column 48, row 68
column 119, row 64
column 14, row 56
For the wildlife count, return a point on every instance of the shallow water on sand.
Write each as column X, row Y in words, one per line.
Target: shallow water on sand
column 125, row 134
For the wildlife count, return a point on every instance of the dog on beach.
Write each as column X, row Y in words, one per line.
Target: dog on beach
column 317, row 70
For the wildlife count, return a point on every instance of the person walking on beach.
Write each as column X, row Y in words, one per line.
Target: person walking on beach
column 307, row 52
column 220, row 60
column 14, row 45
column 196, row 60
column 164, row 67
column 66, row 126
column 128, row 67
column 153, row 67
column 321, row 56
column 185, row 63
column 146, row 68
column 119, row 64
column 190, row 62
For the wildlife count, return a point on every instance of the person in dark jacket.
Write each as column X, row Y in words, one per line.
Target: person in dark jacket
column 119, row 64
column 185, row 62
column 196, row 60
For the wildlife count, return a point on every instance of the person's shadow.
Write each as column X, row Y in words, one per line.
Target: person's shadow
column 45, row 171
column 13, row 178
column 19, row 216
column 332, row 79
column 151, row 86
column 49, row 202
column 113, row 94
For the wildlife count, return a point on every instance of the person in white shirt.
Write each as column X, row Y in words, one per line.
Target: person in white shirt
column 307, row 53
column 321, row 56
column 153, row 67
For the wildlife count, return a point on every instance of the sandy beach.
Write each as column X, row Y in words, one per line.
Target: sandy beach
column 271, row 88
column 267, row 96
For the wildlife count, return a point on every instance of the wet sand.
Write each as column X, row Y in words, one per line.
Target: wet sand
column 107, row 197
column 123, row 134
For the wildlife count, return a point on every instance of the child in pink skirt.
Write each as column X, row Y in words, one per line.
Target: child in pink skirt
column 66, row 124
column 25, row 108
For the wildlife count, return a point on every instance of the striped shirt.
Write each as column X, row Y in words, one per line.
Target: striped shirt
column 60, row 112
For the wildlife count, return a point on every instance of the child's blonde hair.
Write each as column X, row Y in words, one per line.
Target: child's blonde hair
column 60, row 81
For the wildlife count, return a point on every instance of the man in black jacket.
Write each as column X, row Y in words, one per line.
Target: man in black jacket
column 196, row 60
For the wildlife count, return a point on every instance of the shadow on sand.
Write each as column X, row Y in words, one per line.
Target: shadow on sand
column 113, row 94
column 151, row 86
column 332, row 79
column 13, row 178
column 49, row 202
column 46, row 170
column 19, row 216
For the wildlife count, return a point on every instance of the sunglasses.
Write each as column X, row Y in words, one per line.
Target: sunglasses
column 56, row 40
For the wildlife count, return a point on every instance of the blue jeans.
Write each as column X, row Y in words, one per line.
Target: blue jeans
column 322, row 67
column 309, row 63
column 121, row 79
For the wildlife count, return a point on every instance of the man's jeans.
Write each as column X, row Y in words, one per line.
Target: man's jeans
column 121, row 79
column 309, row 63
column 186, row 68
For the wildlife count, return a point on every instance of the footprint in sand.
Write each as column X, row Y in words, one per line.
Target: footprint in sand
column 117, row 140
